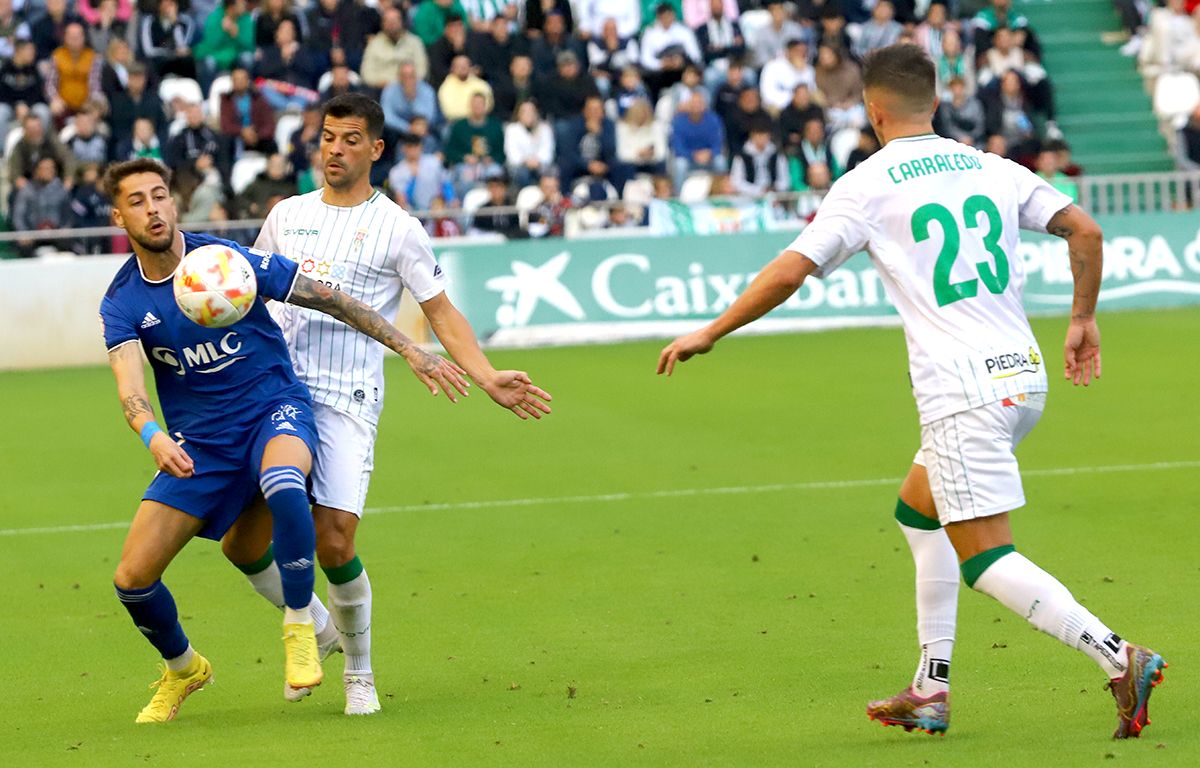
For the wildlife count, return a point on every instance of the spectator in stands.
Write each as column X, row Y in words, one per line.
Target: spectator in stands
column 313, row 175
column 1188, row 143
column 306, row 139
column 549, row 217
column 390, row 48
column 451, row 44
column 438, row 224
column 21, row 88
column 1062, row 152
column 459, row 90
column 537, row 11
column 1046, row 166
column 758, row 167
column 833, row 30
column 528, row 145
column 813, row 150
column 197, row 145
column 642, row 140
column 666, row 47
column 771, row 41
column 114, row 71
column 726, row 95
column 691, row 81
column 592, row 15
column 141, row 141
column 12, row 29
column 88, row 144
column 931, row 30
column 430, row 19
column 1007, row 114
column 1001, row 15
column 697, row 140
column 493, row 48
column 42, row 203
column 839, row 81
column 868, row 144
column 475, row 143
column 227, row 41
column 165, row 39
column 272, row 185
column 246, row 118
column 562, row 95
column 782, row 74
column 287, row 77
column 507, row 223
column 818, row 177
column 135, row 102
column 105, row 23
column 407, row 97
column 629, row 89
column 720, row 39
column 1004, row 56
column 511, row 92
column 997, row 145
column 589, row 148
column 609, row 55
column 797, row 115
column 272, row 13
column 74, row 73
column 1171, row 40
column 554, row 40
column 49, row 30
column 747, row 112
column 199, row 192
column 881, row 31
column 338, row 30
column 961, row 116
column 89, row 208
column 481, row 13
column 955, row 62
column 341, row 80
column 35, row 144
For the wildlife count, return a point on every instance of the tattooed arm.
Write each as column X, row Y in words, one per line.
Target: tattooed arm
column 126, row 363
column 1085, row 243
column 431, row 369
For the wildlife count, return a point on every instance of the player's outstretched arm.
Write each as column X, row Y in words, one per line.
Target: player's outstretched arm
column 433, row 371
column 126, row 362
column 1085, row 243
column 512, row 390
column 778, row 280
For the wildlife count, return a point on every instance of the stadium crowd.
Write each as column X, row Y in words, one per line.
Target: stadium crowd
column 546, row 103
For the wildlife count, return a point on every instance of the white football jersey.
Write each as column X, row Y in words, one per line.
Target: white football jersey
column 939, row 220
column 370, row 251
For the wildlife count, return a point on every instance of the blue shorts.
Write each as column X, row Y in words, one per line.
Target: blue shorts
column 227, row 469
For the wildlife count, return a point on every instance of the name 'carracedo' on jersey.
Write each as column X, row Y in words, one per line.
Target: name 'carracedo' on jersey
column 209, row 380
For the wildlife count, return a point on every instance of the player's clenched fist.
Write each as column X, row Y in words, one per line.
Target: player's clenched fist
column 170, row 456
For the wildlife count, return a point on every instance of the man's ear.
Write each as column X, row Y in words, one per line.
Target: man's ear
column 377, row 150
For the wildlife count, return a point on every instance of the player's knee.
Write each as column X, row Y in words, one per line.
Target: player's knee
column 238, row 552
column 334, row 548
column 131, row 576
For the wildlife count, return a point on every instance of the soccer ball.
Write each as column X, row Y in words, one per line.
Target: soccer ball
column 215, row 286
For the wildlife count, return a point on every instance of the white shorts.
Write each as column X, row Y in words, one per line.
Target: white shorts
column 969, row 458
column 345, row 457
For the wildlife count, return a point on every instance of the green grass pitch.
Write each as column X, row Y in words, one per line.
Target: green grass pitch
column 614, row 610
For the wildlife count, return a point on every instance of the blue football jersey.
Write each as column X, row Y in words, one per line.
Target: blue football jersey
column 211, row 382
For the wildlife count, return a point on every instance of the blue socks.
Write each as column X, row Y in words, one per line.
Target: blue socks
column 286, row 492
column 153, row 612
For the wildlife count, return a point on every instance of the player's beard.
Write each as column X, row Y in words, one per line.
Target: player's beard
column 156, row 243
column 346, row 179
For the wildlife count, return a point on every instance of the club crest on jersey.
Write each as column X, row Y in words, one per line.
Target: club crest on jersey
column 1013, row 364
column 360, row 237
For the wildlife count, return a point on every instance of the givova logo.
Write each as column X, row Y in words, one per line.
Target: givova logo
column 205, row 357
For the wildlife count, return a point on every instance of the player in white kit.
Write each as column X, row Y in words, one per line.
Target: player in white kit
column 354, row 239
column 939, row 220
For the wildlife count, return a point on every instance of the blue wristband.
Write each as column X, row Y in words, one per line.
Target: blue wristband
column 149, row 431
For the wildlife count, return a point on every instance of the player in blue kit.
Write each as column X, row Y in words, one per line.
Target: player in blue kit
column 240, row 424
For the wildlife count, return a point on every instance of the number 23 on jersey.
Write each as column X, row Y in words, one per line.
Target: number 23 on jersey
column 995, row 278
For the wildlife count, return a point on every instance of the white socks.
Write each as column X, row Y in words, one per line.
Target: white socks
column 268, row 584
column 350, row 604
column 297, row 616
column 1028, row 591
column 937, row 606
column 182, row 661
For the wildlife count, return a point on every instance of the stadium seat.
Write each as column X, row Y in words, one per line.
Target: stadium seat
column 245, row 169
column 695, row 188
column 222, row 85
column 14, row 135
column 327, row 78
column 842, row 143
column 180, row 88
column 474, row 199
column 285, row 126
column 584, row 188
column 638, row 190
column 529, row 198
column 1176, row 95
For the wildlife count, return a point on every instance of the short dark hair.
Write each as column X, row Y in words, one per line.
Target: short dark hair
column 357, row 105
column 904, row 70
column 118, row 172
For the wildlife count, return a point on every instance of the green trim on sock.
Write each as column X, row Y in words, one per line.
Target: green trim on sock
column 906, row 515
column 345, row 572
column 259, row 565
column 974, row 568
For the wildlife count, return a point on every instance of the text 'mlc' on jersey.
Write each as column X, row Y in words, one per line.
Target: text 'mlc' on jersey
column 939, row 220
column 209, row 380
column 371, row 252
